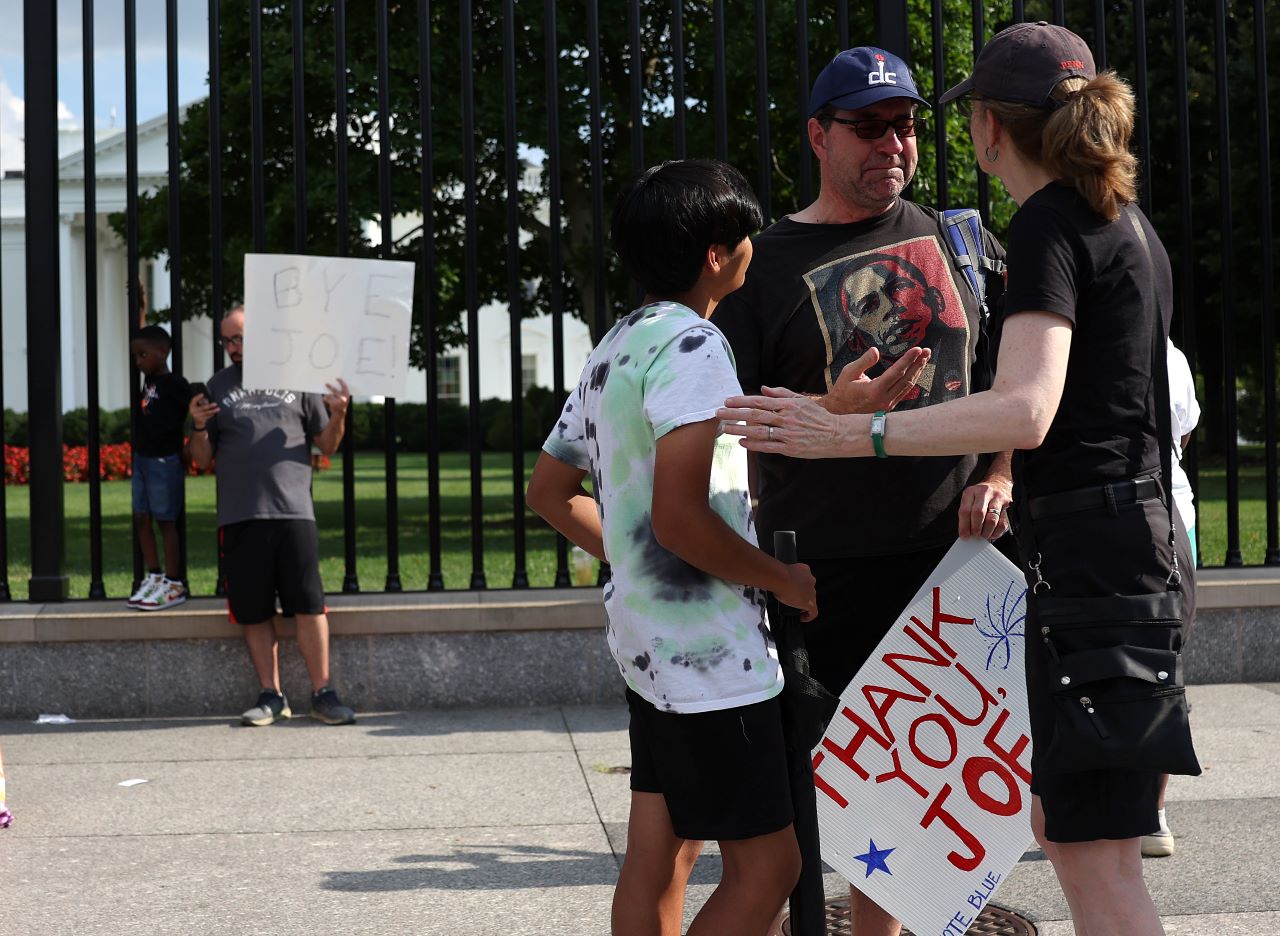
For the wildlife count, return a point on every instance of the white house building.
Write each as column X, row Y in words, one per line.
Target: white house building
column 113, row 319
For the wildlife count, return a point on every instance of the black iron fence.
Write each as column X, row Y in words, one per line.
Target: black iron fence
column 504, row 123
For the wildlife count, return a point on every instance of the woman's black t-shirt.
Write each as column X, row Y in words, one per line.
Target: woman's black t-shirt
column 1064, row 258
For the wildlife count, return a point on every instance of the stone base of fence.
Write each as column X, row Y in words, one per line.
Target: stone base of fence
column 432, row 650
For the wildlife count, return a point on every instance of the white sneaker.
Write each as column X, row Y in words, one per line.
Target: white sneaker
column 165, row 594
column 1159, row 844
column 152, row 580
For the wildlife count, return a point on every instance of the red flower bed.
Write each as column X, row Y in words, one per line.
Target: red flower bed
column 17, row 465
column 115, row 462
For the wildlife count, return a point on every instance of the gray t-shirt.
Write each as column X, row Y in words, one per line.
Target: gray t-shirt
column 262, row 442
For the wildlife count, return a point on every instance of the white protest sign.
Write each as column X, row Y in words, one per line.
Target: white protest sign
column 311, row 320
column 924, row 774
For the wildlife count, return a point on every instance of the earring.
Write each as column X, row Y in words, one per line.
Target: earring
column 991, row 158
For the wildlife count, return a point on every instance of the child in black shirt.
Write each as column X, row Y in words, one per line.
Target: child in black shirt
column 157, row 468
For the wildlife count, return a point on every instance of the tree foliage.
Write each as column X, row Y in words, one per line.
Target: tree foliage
column 779, row 161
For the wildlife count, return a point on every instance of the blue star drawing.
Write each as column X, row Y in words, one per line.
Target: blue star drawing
column 875, row 859
column 1001, row 633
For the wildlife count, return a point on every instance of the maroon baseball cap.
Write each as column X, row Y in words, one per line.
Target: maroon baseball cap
column 1024, row 63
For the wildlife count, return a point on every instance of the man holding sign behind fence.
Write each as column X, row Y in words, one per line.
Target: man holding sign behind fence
column 266, row 522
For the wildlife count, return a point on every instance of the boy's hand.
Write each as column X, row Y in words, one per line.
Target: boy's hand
column 201, row 411
column 799, row 591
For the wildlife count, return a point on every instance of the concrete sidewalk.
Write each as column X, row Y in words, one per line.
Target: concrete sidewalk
column 475, row 821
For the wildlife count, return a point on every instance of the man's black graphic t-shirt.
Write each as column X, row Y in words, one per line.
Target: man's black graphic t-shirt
column 817, row 296
column 162, row 413
column 1065, row 259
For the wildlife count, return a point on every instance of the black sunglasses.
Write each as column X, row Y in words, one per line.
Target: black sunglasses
column 964, row 105
column 874, row 128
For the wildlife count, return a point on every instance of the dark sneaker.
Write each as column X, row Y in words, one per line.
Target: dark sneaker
column 328, row 708
column 272, row 707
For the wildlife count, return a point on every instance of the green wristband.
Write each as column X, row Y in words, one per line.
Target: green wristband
column 877, row 433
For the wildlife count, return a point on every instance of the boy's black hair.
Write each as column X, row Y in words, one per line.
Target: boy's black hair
column 665, row 220
column 154, row 335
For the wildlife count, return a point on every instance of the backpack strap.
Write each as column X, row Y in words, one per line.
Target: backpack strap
column 962, row 231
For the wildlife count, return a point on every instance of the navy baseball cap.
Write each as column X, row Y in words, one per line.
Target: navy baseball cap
column 861, row 77
column 1024, row 63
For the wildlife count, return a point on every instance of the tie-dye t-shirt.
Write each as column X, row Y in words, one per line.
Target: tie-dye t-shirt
column 684, row 640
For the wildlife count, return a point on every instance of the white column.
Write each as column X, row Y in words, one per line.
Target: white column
column 72, row 337
column 113, row 329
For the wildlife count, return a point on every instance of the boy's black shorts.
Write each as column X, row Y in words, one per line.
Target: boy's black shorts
column 265, row 558
column 723, row 773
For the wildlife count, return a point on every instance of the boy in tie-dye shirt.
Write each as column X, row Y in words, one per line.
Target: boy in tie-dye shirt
column 670, row 511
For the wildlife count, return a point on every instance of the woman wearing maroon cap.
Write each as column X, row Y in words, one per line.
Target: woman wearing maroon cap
column 1077, row 395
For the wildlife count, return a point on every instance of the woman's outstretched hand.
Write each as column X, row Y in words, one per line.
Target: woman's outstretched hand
column 782, row 422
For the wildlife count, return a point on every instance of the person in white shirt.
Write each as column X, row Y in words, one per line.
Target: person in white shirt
column 1184, row 416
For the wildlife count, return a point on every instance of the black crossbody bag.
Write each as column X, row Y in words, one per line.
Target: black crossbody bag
column 1115, row 662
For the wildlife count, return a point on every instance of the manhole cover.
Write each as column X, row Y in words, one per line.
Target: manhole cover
column 992, row 921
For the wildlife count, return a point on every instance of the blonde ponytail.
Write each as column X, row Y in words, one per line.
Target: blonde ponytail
column 1084, row 141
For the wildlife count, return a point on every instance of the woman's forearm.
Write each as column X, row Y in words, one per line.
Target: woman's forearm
column 1014, row 414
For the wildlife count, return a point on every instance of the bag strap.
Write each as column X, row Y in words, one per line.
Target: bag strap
column 962, row 233
column 1164, row 414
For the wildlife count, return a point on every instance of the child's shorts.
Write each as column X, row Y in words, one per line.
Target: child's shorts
column 723, row 774
column 157, row 486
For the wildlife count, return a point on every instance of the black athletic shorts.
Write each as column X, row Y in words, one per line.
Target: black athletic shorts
column 723, row 773
column 263, row 559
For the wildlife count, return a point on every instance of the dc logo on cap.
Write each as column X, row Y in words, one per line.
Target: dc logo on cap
column 881, row 76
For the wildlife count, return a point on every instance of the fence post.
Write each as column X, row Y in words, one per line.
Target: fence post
column 891, row 28
column 44, row 323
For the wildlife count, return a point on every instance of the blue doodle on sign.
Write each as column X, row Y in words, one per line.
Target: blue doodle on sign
column 1002, row 632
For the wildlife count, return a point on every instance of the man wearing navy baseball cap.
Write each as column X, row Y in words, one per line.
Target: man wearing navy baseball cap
column 856, row 299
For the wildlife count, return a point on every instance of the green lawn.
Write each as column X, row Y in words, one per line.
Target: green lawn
column 371, row 537
column 371, row 528
column 1211, row 511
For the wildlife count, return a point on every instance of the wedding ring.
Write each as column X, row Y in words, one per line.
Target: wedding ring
column 994, row 510
column 771, row 433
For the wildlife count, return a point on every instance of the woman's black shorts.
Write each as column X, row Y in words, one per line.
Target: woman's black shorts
column 723, row 774
column 266, row 559
column 1092, row 553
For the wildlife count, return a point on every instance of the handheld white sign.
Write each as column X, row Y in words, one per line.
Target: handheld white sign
column 924, row 774
column 311, row 320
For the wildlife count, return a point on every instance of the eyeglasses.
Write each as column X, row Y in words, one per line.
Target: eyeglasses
column 964, row 105
column 875, row 128
column 233, row 340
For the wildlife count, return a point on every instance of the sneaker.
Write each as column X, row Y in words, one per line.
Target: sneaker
column 164, row 594
column 152, row 580
column 1160, row 843
column 272, row 707
column 328, row 708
